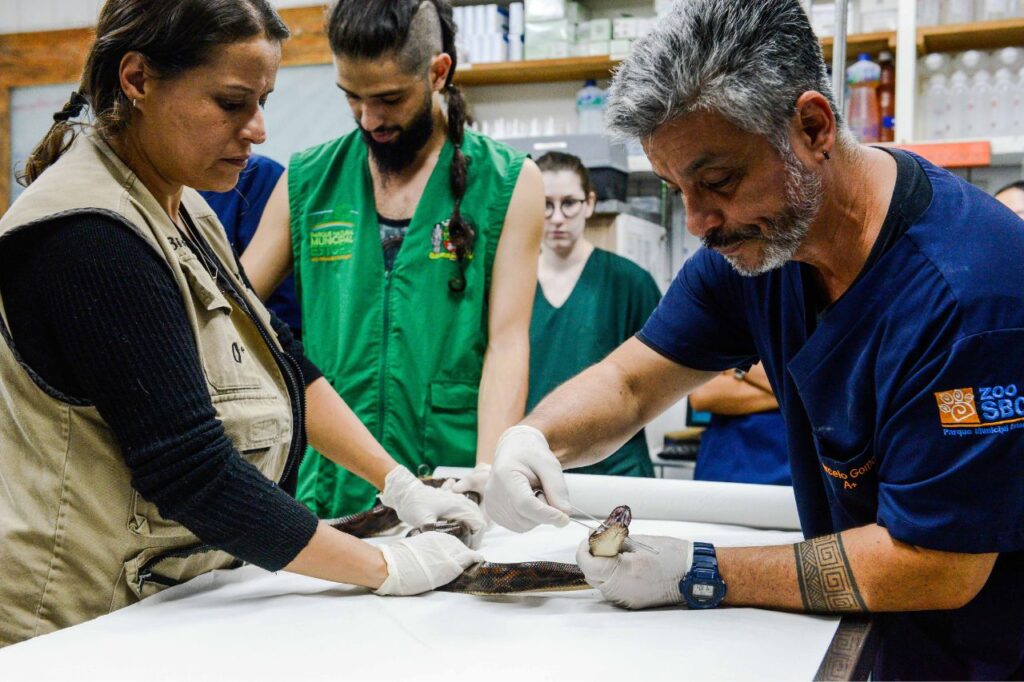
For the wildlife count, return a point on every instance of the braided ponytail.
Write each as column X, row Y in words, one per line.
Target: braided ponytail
column 56, row 141
column 459, row 230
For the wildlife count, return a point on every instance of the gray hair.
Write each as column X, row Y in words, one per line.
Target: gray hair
column 747, row 60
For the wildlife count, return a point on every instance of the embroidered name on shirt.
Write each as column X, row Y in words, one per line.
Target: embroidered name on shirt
column 331, row 241
column 989, row 409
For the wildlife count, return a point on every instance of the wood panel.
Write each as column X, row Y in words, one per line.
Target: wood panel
column 540, row 71
column 872, row 43
column 989, row 35
column 5, row 148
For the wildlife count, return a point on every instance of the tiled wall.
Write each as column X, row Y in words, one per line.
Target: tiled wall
column 17, row 16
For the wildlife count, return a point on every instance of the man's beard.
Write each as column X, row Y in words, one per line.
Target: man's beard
column 395, row 156
column 785, row 232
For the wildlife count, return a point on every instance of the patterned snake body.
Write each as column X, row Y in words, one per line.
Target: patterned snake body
column 489, row 578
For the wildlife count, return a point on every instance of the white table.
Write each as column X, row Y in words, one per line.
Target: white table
column 252, row 625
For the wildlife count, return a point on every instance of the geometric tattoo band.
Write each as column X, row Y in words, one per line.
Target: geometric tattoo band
column 825, row 578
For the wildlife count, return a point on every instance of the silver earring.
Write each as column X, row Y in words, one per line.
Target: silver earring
column 133, row 104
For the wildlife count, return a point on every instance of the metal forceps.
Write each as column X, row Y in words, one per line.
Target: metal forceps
column 539, row 494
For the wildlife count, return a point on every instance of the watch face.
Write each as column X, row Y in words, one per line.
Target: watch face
column 703, row 591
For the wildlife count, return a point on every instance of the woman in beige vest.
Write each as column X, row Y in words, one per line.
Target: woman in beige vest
column 152, row 412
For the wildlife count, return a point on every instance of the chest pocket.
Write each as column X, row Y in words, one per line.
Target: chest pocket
column 225, row 358
column 449, row 432
column 852, row 485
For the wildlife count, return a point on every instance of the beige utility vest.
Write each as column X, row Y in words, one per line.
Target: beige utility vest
column 76, row 540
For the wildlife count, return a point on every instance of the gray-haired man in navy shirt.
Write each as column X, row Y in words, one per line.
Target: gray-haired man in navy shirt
column 885, row 298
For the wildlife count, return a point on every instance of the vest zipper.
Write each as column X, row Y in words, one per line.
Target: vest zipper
column 288, row 366
column 146, row 574
column 291, row 373
column 382, row 403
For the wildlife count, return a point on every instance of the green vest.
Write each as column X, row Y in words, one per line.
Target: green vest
column 402, row 349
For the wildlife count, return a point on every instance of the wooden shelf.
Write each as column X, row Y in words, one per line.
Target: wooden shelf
column 583, row 68
column 988, row 35
column 538, row 71
column 872, row 43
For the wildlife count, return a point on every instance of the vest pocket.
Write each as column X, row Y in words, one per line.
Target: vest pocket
column 154, row 570
column 146, row 521
column 449, row 434
column 225, row 358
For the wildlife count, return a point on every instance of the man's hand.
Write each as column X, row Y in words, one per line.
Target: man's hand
column 424, row 562
column 418, row 504
column 638, row 579
column 475, row 481
column 524, row 462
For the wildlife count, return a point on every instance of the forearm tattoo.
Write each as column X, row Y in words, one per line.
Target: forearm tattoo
column 826, row 580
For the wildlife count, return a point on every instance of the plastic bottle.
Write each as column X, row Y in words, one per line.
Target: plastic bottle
column 1007, row 104
column 959, row 98
column 937, row 113
column 973, row 61
column 992, row 10
column 934, row 63
column 1018, row 98
column 980, row 107
column 886, row 92
column 1010, row 57
column 862, row 112
column 590, row 103
column 959, row 12
column 929, row 12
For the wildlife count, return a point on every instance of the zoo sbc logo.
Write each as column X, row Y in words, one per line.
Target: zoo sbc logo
column 962, row 408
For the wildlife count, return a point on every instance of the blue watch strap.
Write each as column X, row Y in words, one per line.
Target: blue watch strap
column 702, row 587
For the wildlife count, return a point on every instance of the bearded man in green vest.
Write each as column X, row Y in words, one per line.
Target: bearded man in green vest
column 414, row 246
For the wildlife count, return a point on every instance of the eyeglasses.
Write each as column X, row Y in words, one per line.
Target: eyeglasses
column 570, row 207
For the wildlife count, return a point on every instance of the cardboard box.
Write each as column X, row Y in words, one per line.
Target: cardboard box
column 546, row 10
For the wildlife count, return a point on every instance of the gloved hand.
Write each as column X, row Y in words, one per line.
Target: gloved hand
column 475, row 481
column 418, row 504
column 523, row 462
column 424, row 562
column 638, row 579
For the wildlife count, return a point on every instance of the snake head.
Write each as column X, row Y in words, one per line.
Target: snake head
column 608, row 539
column 620, row 516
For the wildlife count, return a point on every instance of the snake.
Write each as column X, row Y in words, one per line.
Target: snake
column 491, row 578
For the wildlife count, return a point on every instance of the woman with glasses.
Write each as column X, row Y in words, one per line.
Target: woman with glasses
column 588, row 300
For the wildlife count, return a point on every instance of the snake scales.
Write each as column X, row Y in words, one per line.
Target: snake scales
column 490, row 578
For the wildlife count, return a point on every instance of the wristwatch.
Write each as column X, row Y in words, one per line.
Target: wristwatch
column 703, row 587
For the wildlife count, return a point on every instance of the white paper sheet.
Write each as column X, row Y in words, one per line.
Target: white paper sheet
column 745, row 504
column 253, row 625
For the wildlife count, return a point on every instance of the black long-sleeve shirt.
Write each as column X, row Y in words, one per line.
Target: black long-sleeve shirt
column 97, row 314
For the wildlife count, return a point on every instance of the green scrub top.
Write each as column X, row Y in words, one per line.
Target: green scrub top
column 403, row 350
column 609, row 304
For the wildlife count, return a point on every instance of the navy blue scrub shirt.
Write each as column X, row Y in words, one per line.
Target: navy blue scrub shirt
column 903, row 400
column 239, row 211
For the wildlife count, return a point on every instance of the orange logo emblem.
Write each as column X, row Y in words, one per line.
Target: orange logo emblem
column 956, row 407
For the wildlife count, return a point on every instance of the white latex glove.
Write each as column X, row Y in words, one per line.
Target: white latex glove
column 638, row 579
column 523, row 462
column 424, row 562
column 418, row 504
column 475, row 481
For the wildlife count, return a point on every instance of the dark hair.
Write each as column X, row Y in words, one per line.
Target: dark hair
column 553, row 162
column 371, row 29
column 173, row 36
column 1013, row 185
